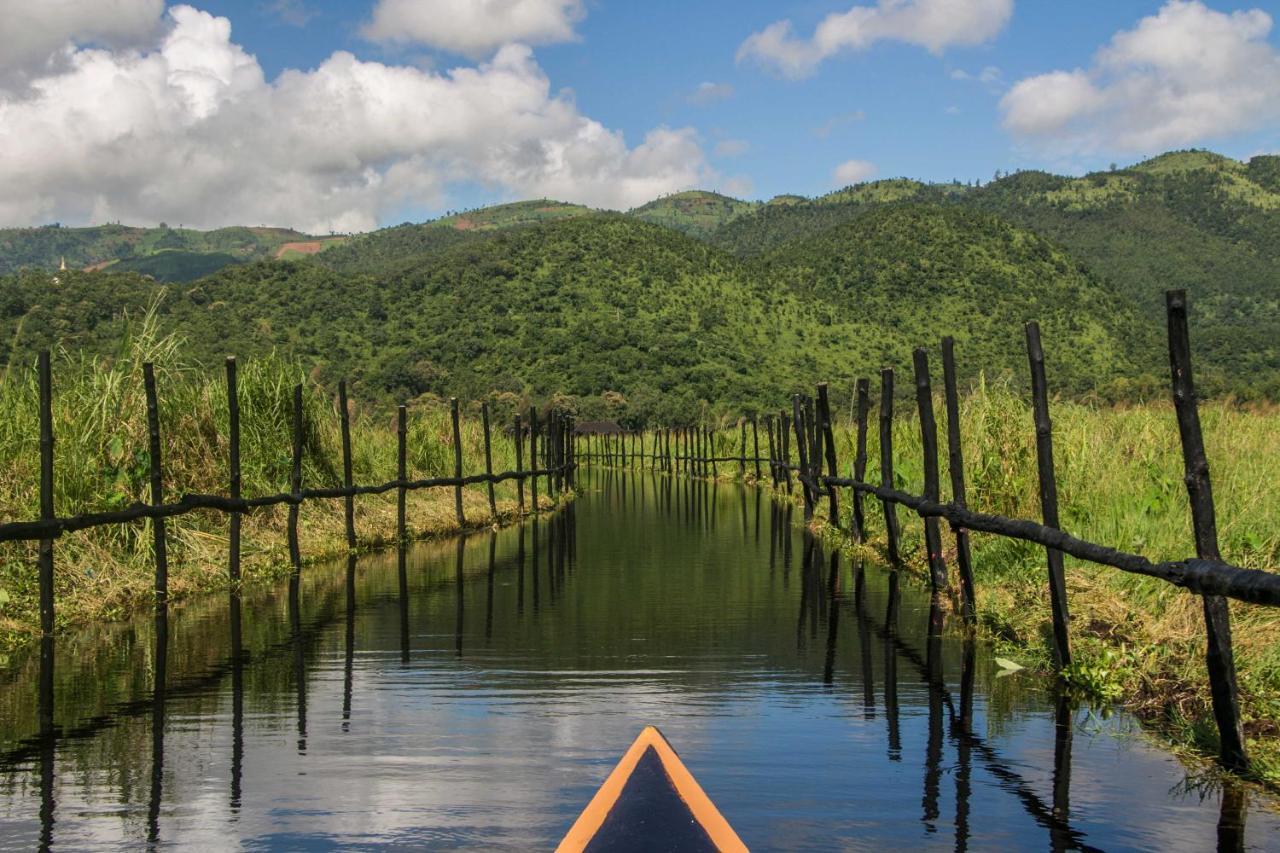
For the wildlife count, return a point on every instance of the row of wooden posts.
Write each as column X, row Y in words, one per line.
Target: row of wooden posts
column 690, row 450
column 553, row 434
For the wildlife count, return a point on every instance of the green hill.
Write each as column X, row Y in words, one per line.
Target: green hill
column 500, row 216
column 696, row 212
column 104, row 246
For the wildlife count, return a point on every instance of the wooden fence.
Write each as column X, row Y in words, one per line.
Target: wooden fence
column 553, row 434
column 688, row 450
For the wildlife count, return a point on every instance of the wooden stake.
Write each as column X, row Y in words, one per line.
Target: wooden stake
column 802, row 452
column 488, row 460
column 892, row 531
column 1049, row 497
column 755, row 446
column 45, row 558
column 533, row 457
column 457, row 461
column 233, row 408
column 159, row 546
column 829, row 446
column 518, row 434
column 955, row 464
column 295, row 480
column 932, row 488
column 1220, row 656
column 402, row 471
column 348, row 478
column 860, row 460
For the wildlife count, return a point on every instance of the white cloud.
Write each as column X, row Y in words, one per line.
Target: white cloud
column 38, row 36
column 295, row 13
column 732, row 147
column 190, row 131
column 708, row 93
column 474, row 28
column 1184, row 75
column 932, row 24
column 988, row 75
column 853, row 172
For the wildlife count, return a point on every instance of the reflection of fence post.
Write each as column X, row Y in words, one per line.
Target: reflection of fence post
column 932, row 487
column 1049, row 496
column 1220, row 657
column 955, row 465
column 45, row 380
column 157, row 482
column 892, row 531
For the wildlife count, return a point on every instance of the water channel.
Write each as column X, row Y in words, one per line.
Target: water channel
column 474, row 694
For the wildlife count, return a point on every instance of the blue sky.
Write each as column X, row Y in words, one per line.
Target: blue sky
column 901, row 88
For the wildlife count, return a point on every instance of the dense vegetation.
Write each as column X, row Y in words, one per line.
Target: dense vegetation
column 697, row 300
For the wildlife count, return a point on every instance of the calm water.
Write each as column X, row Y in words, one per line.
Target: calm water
column 474, row 695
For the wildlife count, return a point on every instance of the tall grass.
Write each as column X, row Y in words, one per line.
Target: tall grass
column 102, row 462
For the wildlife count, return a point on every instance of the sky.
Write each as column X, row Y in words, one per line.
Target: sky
column 346, row 115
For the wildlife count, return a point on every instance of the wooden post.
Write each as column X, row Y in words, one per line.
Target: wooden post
column 1220, row 656
column 402, row 470
column 348, row 478
column 955, row 464
column 802, row 453
column 860, row 459
column 742, row 450
column 457, row 461
column 295, row 480
column 1049, row 496
column 157, row 483
column 784, row 440
column 773, row 456
column 755, row 446
column 938, row 580
column 711, row 452
column 829, row 446
column 488, row 460
column 233, row 409
column 892, row 531
column 519, row 438
column 533, row 457
column 45, row 558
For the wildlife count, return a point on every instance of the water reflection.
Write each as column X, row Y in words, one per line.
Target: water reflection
column 492, row 733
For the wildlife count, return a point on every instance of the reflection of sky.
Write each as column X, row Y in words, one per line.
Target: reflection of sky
column 502, row 747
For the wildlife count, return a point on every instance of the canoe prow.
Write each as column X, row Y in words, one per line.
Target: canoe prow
column 651, row 802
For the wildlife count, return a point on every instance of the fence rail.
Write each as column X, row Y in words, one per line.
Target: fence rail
column 689, row 450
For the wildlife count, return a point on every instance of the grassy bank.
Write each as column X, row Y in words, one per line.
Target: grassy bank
column 1137, row 641
column 102, row 462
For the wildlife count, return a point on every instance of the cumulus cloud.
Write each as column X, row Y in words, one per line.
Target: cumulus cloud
column 1184, row 75
column 189, row 130
column 474, row 28
column 708, row 93
column 932, row 24
column 853, row 172
column 39, row 36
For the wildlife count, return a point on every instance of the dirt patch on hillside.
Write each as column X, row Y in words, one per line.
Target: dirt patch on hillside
column 309, row 247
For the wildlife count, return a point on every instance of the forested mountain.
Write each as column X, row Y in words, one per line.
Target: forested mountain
column 716, row 301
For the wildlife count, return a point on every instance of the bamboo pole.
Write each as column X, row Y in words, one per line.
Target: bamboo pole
column 295, row 480
column 402, row 470
column 348, row 477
